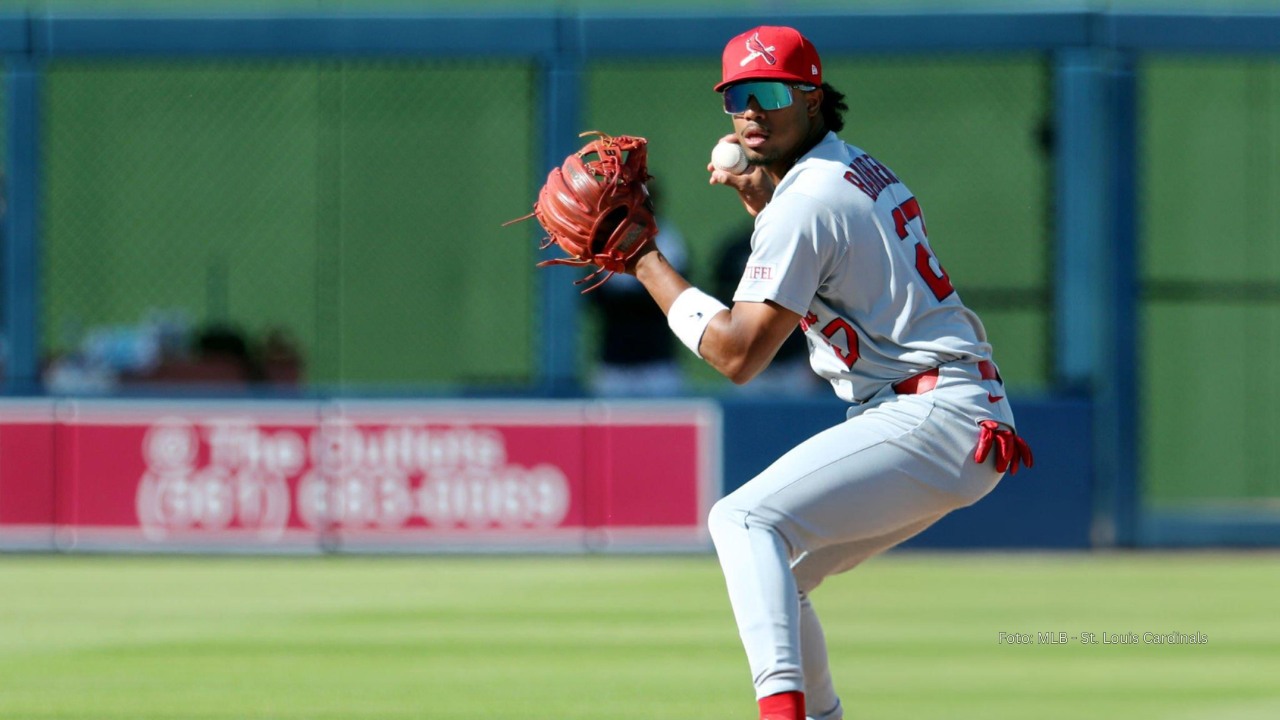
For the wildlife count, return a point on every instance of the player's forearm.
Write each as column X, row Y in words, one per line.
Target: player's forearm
column 736, row 342
column 742, row 342
column 665, row 284
column 662, row 281
column 733, row 351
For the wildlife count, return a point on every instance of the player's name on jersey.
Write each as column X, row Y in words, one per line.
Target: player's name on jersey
column 1057, row 637
column 868, row 175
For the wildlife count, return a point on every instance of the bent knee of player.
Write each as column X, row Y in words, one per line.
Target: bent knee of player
column 807, row 580
column 730, row 518
column 735, row 525
column 725, row 519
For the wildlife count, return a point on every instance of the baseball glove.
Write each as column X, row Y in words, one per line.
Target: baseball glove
column 596, row 207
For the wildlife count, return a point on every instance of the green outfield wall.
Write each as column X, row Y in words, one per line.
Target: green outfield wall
column 358, row 205
column 1210, row 247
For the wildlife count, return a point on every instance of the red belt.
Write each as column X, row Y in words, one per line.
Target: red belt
column 927, row 380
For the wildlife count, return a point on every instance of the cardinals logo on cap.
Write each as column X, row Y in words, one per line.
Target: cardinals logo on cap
column 772, row 53
column 757, row 49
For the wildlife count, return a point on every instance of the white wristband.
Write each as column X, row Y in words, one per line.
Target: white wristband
column 690, row 314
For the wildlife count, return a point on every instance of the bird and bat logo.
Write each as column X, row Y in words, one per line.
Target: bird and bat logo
column 757, row 49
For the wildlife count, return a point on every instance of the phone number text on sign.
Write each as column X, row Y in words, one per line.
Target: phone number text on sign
column 224, row 473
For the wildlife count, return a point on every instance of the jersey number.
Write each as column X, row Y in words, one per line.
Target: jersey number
column 938, row 281
column 849, row 354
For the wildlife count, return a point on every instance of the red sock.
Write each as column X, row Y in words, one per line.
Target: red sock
column 783, row 706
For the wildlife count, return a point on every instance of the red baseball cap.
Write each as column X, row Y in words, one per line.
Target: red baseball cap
column 771, row 53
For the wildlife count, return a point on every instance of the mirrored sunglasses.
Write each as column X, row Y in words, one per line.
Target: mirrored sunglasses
column 769, row 94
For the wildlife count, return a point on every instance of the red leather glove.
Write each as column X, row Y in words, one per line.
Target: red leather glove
column 1009, row 447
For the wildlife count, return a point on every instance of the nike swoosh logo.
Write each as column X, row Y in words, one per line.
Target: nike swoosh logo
column 994, row 398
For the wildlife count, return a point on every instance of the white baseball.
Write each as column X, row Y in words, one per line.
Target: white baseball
column 729, row 157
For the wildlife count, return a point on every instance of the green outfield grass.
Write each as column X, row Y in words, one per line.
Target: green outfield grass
column 624, row 638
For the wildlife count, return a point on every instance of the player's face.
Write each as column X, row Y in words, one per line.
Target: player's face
column 772, row 136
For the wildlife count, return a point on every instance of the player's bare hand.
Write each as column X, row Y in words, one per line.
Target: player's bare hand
column 1010, row 449
column 755, row 188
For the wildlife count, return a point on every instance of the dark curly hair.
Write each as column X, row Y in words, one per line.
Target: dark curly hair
column 833, row 108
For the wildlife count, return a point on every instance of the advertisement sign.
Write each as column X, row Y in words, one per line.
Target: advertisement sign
column 376, row 476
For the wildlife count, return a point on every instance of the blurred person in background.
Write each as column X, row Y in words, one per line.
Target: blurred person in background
column 637, row 352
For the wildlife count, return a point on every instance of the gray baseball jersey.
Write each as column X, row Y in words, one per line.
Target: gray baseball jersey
column 843, row 244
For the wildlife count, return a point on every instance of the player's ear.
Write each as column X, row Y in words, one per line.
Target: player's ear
column 813, row 102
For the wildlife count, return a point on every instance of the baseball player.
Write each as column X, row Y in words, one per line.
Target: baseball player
column 839, row 248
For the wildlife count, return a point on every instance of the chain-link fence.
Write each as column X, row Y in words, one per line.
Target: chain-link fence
column 345, row 213
column 1210, row 144
column 348, row 213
